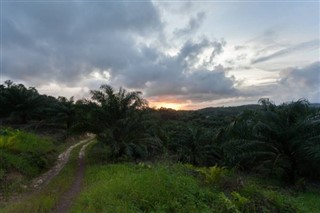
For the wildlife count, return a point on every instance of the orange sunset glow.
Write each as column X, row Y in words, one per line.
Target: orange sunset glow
column 175, row 106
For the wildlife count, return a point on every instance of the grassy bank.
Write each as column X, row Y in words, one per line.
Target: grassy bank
column 23, row 156
column 180, row 188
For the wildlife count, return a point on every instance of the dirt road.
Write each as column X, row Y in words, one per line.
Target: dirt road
column 63, row 158
column 66, row 200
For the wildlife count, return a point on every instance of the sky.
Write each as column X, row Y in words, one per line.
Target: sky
column 180, row 54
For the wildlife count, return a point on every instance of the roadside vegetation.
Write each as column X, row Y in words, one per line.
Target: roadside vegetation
column 23, row 156
column 164, row 187
column 254, row 158
column 46, row 199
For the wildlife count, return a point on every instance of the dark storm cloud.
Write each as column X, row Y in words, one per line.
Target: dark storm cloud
column 193, row 25
column 64, row 42
column 168, row 74
column 177, row 76
column 284, row 52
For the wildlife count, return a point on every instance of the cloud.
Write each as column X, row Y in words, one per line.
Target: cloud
column 302, row 77
column 193, row 25
column 88, row 43
column 185, row 75
column 284, row 52
column 72, row 47
column 302, row 82
column 293, row 83
column 65, row 41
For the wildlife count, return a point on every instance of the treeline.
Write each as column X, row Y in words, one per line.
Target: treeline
column 25, row 108
column 276, row 141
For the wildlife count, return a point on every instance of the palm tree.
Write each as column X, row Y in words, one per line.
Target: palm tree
column 194, row 145
column 131, row 137
column 62, row 111
column 18, row 101
column 284, row 139
column 118, row 119
column 118, row 105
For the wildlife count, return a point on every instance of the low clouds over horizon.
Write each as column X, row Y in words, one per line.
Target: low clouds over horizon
column 81, row 45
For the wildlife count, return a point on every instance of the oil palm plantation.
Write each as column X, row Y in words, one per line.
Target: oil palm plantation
column 283, row 140
column 194, row 145
column 62, row 113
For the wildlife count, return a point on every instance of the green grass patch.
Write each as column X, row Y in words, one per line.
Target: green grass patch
column 309, row 202
column 24, row 152
column 141, row 188
column 129, row 187
column 23, row 156
column 47, row 198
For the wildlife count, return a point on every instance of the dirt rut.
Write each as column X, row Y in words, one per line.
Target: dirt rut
column 66, row 200
column 63, row 158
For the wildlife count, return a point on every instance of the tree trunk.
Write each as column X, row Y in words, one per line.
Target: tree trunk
column 292, row 172
column 23, row 117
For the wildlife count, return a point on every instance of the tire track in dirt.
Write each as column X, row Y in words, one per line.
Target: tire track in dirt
column 63, row 158
column 67, row 198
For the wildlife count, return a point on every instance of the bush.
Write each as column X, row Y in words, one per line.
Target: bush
column 99, row 153
column 212, row 175
column 267, row 200
column 24, row 152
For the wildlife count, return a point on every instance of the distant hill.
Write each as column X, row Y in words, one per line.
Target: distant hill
column 317, row 105
column 232, row 110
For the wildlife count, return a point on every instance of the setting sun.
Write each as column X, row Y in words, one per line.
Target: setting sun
column 175, row 106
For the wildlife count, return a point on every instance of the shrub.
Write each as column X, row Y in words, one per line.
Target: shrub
column 24, row 152
column 212, row 175
column 267, row 200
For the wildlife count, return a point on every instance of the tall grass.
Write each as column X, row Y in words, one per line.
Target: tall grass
column 24, row 152
column 309, row 201
column 141, row 188
column 181, row 188
column 22, row 156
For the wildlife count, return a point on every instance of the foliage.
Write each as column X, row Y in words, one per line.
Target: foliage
column 161, row 188
column 212, row 175
column 193, row 145
column 140, row 188
column 25, row 108
column 19, row 102
column 309, row 201
column 281, row 140
column 240, row 193
column 63, row 111
column 120, row 121
column 267, row 200
column 23, row 153
column 276, row 141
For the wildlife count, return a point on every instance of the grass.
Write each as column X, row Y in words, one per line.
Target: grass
column 141, row 188
column 23, row 156
column 129, row 187
column 165, row 187
column 309, row 202
column 24, row 152
column 47, row 198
